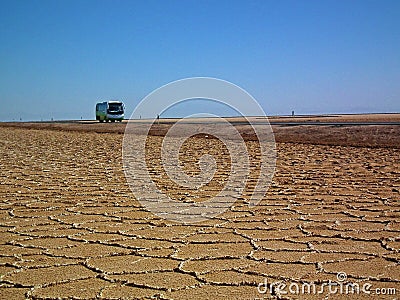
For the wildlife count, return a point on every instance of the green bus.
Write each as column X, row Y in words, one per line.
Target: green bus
column 110, row 111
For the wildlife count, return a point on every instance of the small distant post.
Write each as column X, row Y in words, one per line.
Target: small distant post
column 158, row 119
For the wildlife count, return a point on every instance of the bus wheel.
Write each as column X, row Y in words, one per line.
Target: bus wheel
column 101, row 121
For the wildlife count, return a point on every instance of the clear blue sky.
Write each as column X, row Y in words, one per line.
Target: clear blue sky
column 58, row 58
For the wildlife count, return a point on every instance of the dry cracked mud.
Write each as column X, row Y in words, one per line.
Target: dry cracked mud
column 71, row 228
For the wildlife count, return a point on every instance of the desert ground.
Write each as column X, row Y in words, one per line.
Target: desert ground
column 70, row 226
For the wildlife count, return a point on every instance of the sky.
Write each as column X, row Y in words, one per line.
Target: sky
column 58, row 58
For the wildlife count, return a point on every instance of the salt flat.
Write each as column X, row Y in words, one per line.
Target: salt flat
column 71, row 228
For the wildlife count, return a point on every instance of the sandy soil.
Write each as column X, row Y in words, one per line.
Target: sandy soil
column 390, row 117
column 70, row 227
column 380, row 136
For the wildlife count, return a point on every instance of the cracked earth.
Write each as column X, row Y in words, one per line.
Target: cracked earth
column 71, row 228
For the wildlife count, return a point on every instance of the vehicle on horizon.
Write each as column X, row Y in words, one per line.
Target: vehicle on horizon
column 110, row 111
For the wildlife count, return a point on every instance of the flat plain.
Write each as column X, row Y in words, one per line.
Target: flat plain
column 71, row 228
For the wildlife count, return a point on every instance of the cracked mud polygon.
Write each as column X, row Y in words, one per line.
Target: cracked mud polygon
column 71, row 228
